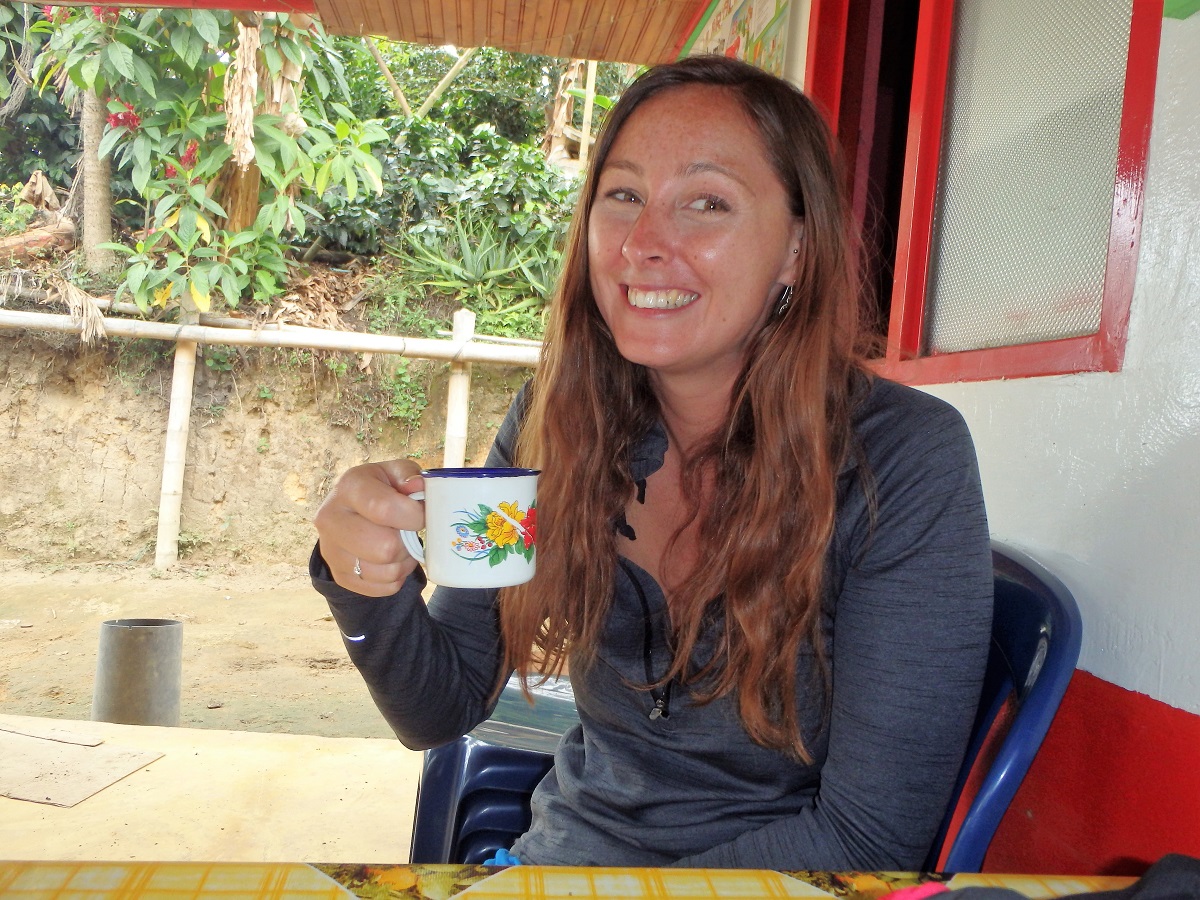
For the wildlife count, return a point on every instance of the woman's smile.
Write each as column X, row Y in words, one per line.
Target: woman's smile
column 659, row 299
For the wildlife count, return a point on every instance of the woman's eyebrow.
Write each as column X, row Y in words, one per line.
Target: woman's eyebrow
column 695, row 168
column 623, row 164
column 702, row 167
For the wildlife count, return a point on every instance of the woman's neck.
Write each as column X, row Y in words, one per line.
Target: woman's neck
column 691, row 410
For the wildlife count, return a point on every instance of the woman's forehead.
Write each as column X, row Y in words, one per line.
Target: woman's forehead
column 694, row 128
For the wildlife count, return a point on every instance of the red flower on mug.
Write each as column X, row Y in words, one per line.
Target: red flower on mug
column 529, row 524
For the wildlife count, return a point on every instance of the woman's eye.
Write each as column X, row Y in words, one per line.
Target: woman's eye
column 709, row 203
column 623, row 195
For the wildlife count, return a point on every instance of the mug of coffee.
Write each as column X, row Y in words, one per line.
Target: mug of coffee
column 480, row 527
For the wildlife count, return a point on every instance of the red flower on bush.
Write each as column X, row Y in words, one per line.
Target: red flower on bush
column 55, row 14
column 188, row 160
column 189, row 155
column 106, row 13
column 127, row 118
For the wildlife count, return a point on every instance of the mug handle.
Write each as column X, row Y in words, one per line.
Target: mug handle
column 412, row 543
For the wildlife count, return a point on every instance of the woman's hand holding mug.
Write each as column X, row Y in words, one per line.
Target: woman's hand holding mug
column 359, row 526
column 480, row 526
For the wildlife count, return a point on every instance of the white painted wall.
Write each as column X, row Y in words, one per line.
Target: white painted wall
column 1098, row 475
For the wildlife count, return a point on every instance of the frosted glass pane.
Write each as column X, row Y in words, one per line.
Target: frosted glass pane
column 1025, row 188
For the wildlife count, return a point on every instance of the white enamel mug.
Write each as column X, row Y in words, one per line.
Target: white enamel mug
column 480, row 527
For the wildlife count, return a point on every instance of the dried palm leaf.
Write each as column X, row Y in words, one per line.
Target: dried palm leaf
column 241, row 91
column 83, row 306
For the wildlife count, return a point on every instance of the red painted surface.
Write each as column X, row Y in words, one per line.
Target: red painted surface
column 826, row 55
column 931, row 67
column 1114, row 787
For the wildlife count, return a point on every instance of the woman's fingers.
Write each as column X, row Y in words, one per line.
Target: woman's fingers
column 375, row 579
column 358, row 526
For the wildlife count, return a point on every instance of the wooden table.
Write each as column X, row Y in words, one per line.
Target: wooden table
column 298, row 881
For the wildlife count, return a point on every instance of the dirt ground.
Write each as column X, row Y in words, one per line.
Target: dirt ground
column 81, row 445
column 260, row 651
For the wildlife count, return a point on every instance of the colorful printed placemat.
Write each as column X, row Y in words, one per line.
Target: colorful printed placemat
column 166, row 881
column 297, row 881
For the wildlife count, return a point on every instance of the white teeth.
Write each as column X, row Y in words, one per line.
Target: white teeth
column 671, row 299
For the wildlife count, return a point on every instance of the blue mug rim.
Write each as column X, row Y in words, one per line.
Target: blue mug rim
column 479, row 472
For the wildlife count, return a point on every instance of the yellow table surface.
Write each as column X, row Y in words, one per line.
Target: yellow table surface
column 42, row 880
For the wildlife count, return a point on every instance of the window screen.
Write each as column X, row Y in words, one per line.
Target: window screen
column 1025, row 186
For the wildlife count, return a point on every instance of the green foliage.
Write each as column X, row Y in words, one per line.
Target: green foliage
column 43, row 136
column 430, row 171
column 462, row 197
column 162, row 74
column 15, row 216
column 220, row 359
column 482, row 268
column 407, row 397
column 39, row 134
column 399, row 306
column 337, row 365
column 507, row 90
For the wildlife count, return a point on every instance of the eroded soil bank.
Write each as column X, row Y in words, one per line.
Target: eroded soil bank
column 81, row 434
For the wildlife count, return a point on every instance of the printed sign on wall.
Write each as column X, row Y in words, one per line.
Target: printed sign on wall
column 753, row 30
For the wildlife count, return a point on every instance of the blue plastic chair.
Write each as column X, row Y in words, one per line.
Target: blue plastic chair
column 474, row 794
column 473, row 797
column 1036, row 636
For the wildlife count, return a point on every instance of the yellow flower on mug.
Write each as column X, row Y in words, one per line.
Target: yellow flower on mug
column 503, row 526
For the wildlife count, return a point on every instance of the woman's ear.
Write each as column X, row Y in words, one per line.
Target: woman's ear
column 790, row 270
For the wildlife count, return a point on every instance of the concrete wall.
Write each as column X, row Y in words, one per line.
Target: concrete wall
column 1098, row 475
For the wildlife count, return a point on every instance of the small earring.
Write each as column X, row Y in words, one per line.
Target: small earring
column 795, row 249
column 785, row 300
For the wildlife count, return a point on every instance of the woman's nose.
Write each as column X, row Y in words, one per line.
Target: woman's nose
column 650, row 236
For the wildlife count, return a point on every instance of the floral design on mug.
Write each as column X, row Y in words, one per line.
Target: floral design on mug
column 493, row 534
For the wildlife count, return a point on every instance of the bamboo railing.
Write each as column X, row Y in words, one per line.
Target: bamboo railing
column 462, row 349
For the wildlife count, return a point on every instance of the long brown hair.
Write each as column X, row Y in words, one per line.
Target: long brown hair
column 774, row 462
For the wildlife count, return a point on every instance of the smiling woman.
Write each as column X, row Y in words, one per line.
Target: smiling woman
column 768, row 571
column 691, row 238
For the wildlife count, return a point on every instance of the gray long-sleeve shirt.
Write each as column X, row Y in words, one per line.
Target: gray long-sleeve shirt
column 906, row 618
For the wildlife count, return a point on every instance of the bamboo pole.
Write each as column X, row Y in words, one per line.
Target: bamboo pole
column 458, row 399
column 170, row 501
column 447, row 80
column 589, row 98
column 401, row 100
column 286, row 336
column 463, row 349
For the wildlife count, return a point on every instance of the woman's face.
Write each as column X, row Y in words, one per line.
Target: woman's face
column 690, row 236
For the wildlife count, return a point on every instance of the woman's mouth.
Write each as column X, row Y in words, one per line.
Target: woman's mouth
column 669, row 299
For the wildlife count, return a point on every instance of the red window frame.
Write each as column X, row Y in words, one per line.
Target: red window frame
column 827, row 65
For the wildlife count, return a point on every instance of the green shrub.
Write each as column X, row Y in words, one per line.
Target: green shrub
column 15, row 215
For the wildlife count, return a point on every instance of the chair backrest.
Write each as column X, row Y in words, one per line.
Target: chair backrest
column 1036, row 636
column 473, row 797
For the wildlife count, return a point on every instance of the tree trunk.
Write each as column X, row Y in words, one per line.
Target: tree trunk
column 18, row 248
column 97, row 189
column 239, row 195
